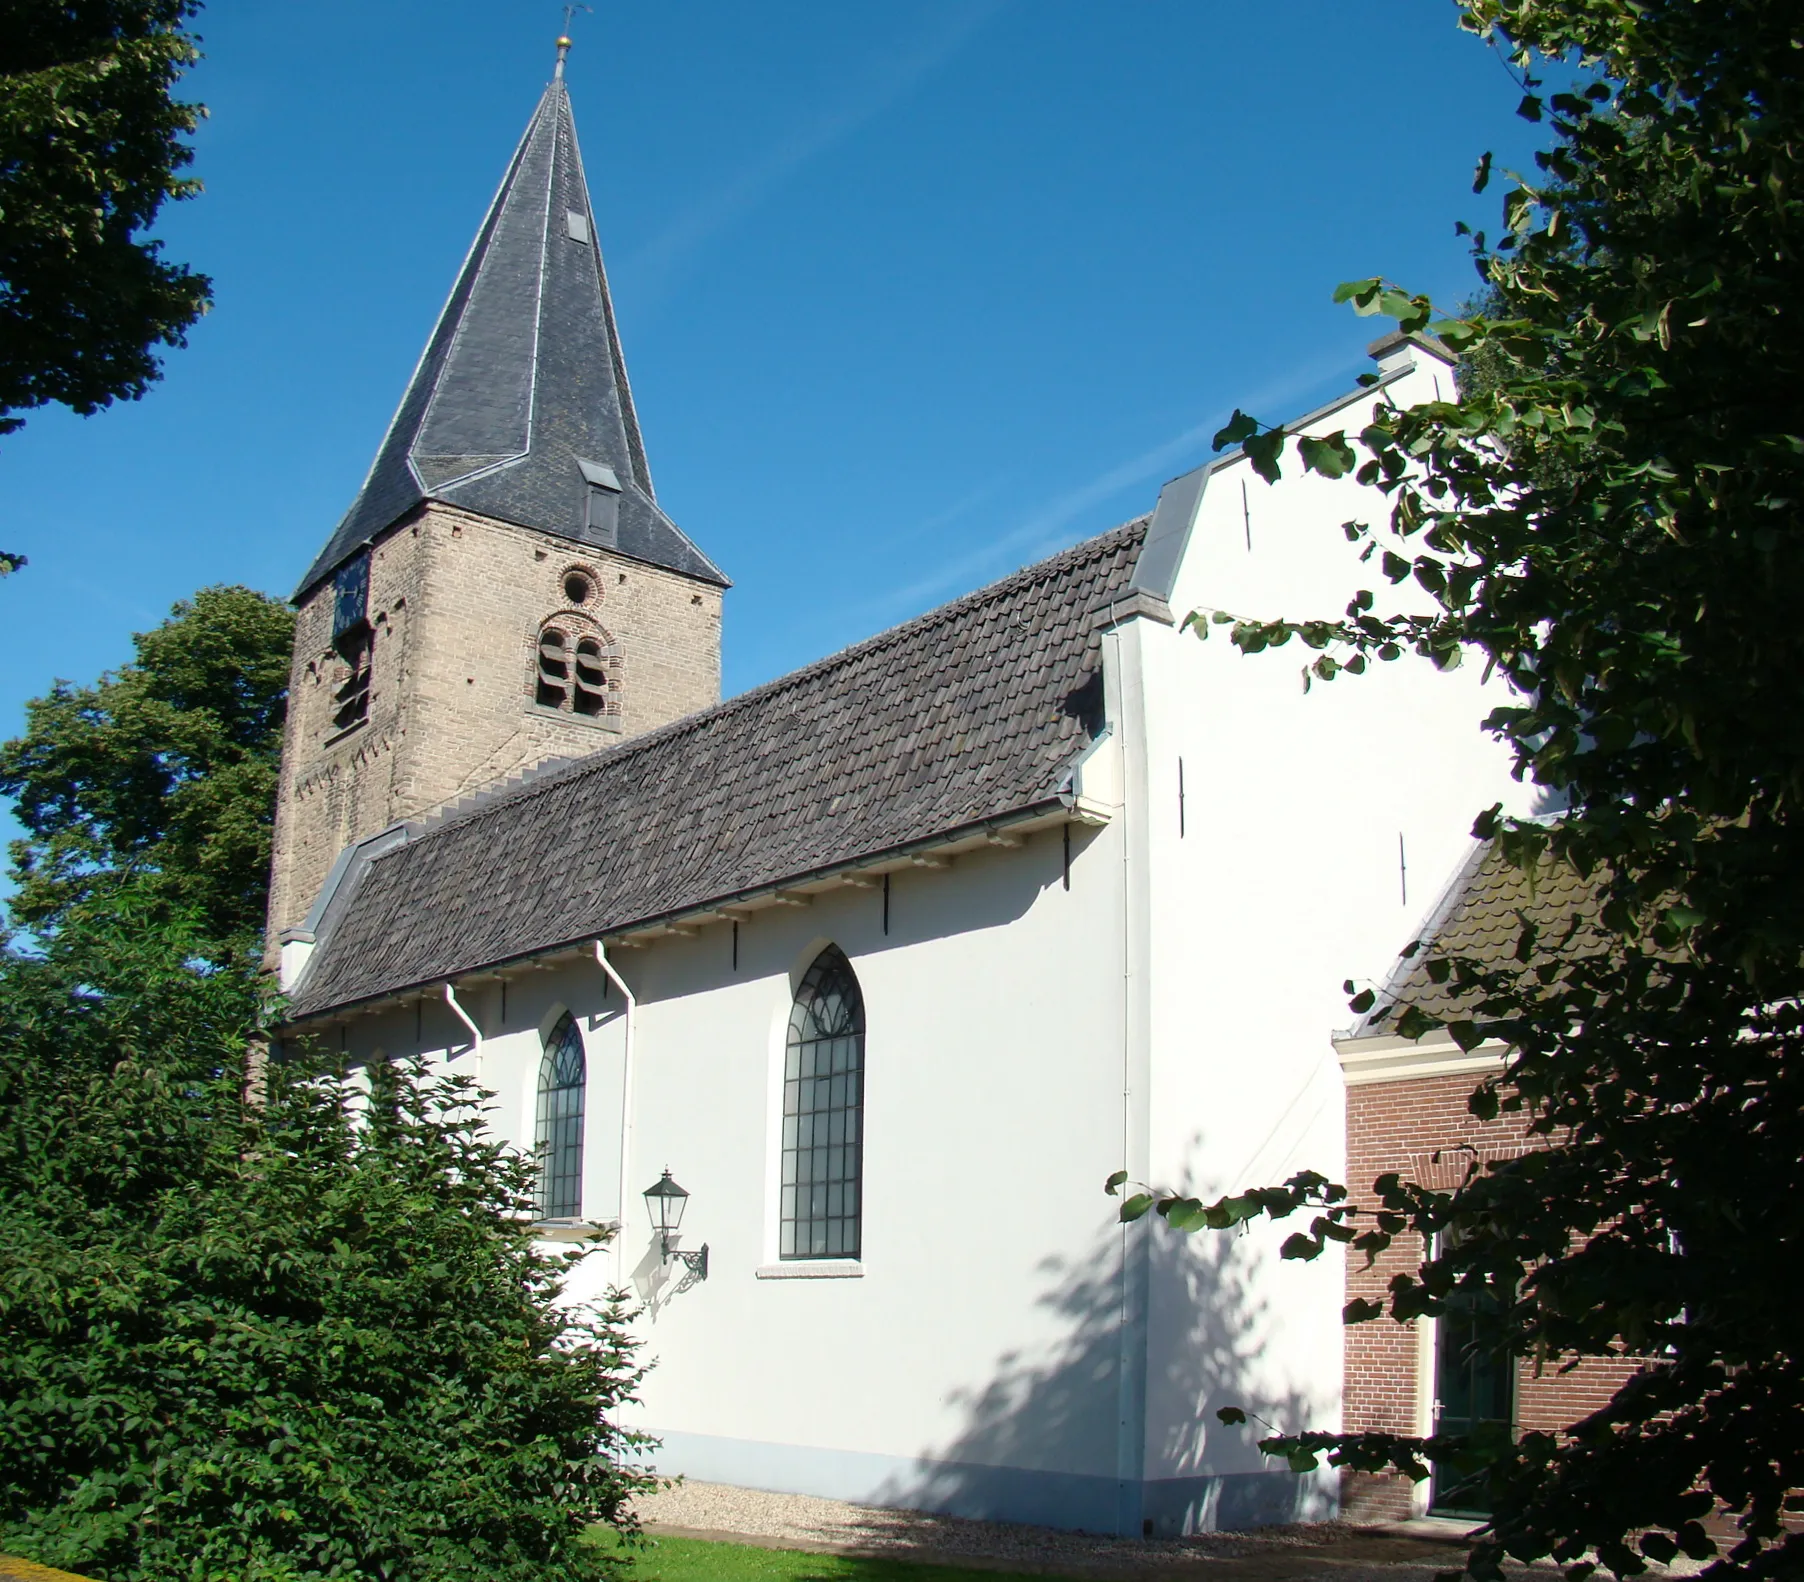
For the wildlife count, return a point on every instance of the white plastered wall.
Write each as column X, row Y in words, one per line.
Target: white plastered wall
column 1275, row 875
column 972, row 1361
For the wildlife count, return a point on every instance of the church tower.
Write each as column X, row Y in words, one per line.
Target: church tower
column 504, row 589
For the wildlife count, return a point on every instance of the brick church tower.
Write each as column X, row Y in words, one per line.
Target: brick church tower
column 504, row 589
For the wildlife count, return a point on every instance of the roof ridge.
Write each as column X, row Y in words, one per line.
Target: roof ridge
column 441, row 820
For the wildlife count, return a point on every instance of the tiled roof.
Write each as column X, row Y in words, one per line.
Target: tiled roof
column 1480, row 918
column 973, row 712
column 522, row 379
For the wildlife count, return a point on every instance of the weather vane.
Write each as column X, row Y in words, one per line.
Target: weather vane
column 563, row 43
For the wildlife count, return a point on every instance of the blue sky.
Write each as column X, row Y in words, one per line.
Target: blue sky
column 911, row 293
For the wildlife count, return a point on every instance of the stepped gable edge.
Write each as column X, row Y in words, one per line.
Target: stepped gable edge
column 968, row 713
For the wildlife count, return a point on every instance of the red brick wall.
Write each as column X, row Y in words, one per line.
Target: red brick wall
column 1402, row 1125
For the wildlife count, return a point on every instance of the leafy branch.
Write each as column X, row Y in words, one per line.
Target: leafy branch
column 1608, row 517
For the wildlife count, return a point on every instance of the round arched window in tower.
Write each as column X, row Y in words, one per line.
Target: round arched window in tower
column 579, row 587
column 577, row 667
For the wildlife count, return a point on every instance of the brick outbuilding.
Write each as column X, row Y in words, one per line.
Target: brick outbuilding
column 1407, row 1112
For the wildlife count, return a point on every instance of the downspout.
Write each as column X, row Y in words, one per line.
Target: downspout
column 1135, row 1242
column 626, row 1106
column 475, row 1031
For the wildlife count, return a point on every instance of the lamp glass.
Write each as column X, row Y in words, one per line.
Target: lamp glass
column 665, row 1201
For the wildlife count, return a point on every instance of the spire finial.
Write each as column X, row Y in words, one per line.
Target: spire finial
column 563, row 43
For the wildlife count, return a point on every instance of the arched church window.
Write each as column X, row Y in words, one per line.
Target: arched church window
column 823, row 1114
column 563, row 1079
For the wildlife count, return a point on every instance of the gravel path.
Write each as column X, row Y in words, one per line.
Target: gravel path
column 1273, row 1554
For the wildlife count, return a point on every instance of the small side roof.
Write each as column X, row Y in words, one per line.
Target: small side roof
column 1480, row 917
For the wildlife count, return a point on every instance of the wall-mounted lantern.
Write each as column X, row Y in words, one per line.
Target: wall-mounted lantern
column 665, row 1201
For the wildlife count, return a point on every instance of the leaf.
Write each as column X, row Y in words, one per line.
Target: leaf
column 1329, row 455
column 1115, row 1182
column 1363, row 294
column 1238, row 429
column 1481, row 176
column 1182, row 1213
column 1413, row 1023
column 1263, row 452
column 1135, row 1207
column 1231, row 1415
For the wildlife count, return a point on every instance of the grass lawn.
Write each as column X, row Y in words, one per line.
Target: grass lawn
column 692, row 1560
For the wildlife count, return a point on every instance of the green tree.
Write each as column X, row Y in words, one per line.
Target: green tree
column 307, row 1339
column 91, row 145
column 161, row 776
column 1609, row 515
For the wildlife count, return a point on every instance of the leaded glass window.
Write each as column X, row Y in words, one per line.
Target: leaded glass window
column 562, row 1079
column 823, row 1114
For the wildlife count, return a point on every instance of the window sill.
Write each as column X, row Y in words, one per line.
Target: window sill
column 813, row 1269
column 572, row 1229
column 337, row 736
column 596, row 722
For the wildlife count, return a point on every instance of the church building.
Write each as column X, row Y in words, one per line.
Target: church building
column 872, row 974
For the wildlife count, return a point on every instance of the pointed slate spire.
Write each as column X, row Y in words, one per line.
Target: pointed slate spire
column 519, row 407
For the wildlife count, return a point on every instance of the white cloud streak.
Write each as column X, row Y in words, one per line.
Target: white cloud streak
column 1047, row 528
column 653, row 265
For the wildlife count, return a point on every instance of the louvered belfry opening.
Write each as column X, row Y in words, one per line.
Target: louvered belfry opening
column 353, row 640
column 590, row 677
column 351, row 697
column 576, row 670
column 553, row 690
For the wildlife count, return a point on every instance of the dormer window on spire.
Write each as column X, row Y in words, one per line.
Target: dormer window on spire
column 601, row 503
